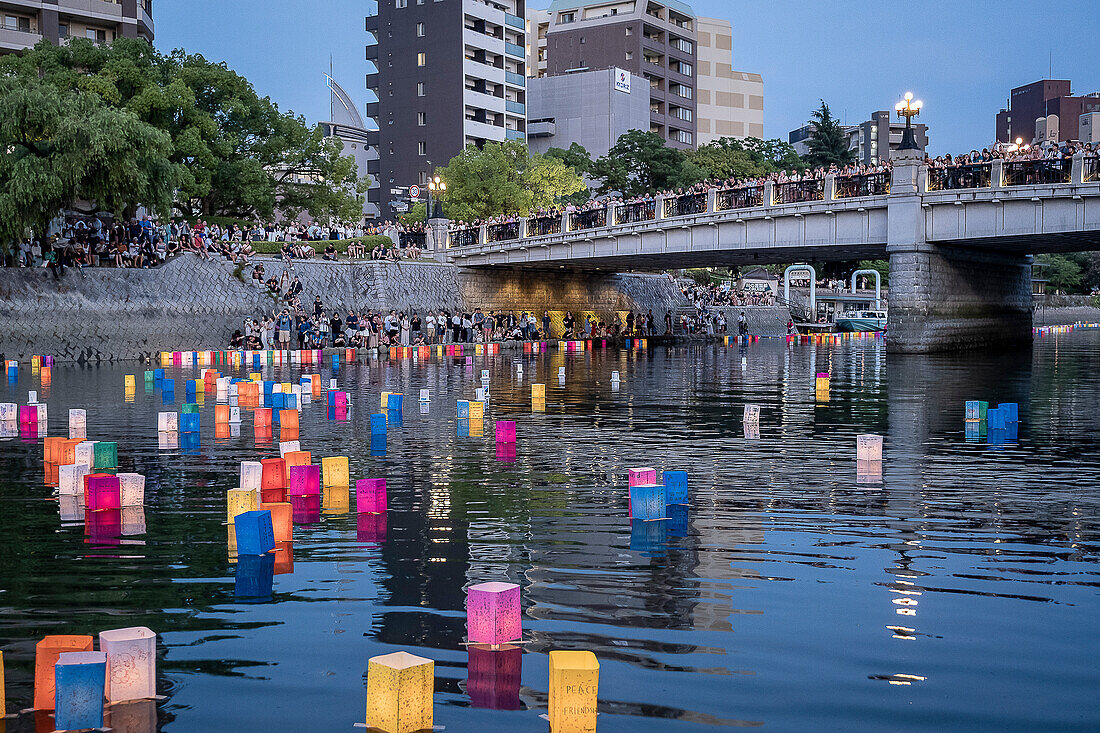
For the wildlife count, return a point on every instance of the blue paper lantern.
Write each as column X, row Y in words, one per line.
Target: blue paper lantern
column 463, row 428
column 335, row 362
column 378, row 424
column 79, row 679
column 255, row 534
column 378, row 445
column 676, row 487
column 189, row 422
column 463, row 409
column 394, row 402
column 1011, row 411
column 647, row 502
column 996, row 419
column 973, row 410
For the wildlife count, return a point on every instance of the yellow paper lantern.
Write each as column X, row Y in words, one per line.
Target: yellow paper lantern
column 574, row 688
column 538, row 391
column 400, row 689
column 241, row 501
column 334, row 471
column 477, row 410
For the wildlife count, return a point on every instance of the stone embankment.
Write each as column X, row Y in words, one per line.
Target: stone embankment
column 1061, row 310
column 189, row 303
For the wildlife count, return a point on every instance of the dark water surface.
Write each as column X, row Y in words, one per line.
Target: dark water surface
column 959, row 593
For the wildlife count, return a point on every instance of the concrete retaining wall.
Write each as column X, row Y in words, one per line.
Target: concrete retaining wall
column 189, row 303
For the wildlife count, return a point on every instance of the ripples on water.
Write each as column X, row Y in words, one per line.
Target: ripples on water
column 960, row 592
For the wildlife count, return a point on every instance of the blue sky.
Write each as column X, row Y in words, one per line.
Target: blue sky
column 960, row 56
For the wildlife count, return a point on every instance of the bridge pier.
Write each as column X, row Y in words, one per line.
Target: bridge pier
column 947, row 298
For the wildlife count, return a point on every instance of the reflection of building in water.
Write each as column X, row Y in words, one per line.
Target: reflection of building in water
column 717, row 573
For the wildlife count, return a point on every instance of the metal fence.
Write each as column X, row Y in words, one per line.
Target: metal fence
column 739, row 198
column 1024, row 172
column 686, row 205
column 540, row 226
column 413, row 239
column 868, row 184
column 955, row 177
column 464, row 237
column 1091, row 170
column 502, row 232
column 588, row 219
column 636, row 211
column 796, row 192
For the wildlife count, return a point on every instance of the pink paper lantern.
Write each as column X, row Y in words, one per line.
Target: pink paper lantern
column 506, row 452
column 506, row 431
column 305, row 481
column 370, row 496
column 493, row 613
column 370, row 528
column 641, row 476
column 28, row 414
column 102, row 491
column 341, row 399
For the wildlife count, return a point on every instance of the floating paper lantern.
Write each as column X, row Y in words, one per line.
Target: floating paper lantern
column 131, row 663
column 370, row 496
column 400, row 690
column 78, row 420
column 289, row 446
column 335, row 471
column 506, row 452
column 484, row 375
column 132, row 489
column 282, row 519
column 479, row 394
column 493, row 613
column 869, row 448
column 1011, row 411
column 102, row 491
column 221, row 414
column 9, row 412
column 505, row 431
column 240, row 501
column 394, row 401
column 251, row 475
column 130, row 382
column 50, row 449
column 32, row 397
column 641, row 476
column 46, row 653
column 71, row 479
column 752, row 415
column 273, row 474
column 85, row 453
column 254, row 532
column 997, row 419
column 189, row 422
column 288, row 424
column 296, row 458
column 28, row 414
column 305, row 480
column 79, row 679
column 476, row 410
column 647, row 502
column 574, row 690
column 973, row 410
column 676, row 487
column 262, row 417
column 425, row 395
column 463, row 409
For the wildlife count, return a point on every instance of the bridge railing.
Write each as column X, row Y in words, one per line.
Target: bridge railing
column 1024, row 172
column 540, row 226
column 955, row 177
column 797, row 192
column 869, row 184
column 415, row 239
column 743, row 197
column 502, row 232
column 466, row 237
column 685, row 205
column 1090, row 169
column 588, row 219
column 636, row 211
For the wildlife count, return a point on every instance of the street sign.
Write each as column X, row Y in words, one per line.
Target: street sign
column 414, row 192
column 401, row 206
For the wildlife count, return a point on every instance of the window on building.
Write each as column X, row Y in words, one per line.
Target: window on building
column 421, row 58
column 683, row 136
column 629, row 55
column 419, row 89
column 567, row 17
column 402, row 3
column 63, row 31
column 422, row 148
column 421, row 119
column 17, row 23
column 629, row 31
column 420, row 30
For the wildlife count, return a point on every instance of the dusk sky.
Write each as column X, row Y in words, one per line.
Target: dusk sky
column 960, row 56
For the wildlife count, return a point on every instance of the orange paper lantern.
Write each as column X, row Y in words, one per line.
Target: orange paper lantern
column 46, row 653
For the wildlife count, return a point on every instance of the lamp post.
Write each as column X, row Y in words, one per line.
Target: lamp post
column 435, row 184
column 908, row 108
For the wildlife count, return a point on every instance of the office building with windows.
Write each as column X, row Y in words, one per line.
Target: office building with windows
column 655, row 40
column 446, row 74
column 26, row 22
column 729, row 103
column 873, row 141
column 1044, row 111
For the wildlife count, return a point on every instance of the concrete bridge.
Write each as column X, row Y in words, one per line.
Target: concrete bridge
column 959, row 240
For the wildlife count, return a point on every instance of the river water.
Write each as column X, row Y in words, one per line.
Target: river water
column 959, row 592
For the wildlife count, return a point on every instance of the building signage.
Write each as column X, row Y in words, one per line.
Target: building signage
column 401, row 206
column 622, row 80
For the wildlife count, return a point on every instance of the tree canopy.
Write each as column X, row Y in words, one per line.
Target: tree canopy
column 504, row 178
column 828, row 144
column 231, row 152
column 640, row 162
column 64, row 147
column 749, row 158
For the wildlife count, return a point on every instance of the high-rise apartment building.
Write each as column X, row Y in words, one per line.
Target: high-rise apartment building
column 653, row 39
column 447, row 74
column 873, row 140
column 26, row 22
column 1049, row 100
column 729, row 103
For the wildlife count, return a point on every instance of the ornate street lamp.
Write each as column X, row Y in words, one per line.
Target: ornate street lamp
column 908, row 108
column 435, row 184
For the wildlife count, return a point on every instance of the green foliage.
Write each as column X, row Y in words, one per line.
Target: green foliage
column 881, row 266
column 504, row 178
column 702, row 275
column 370, row 242
column 417, row 214
column 63, row 147
column 232, row 152
column 750, row 158
column 828, row 144
column 640, row 162
column 1063, row 272
column 577, row 158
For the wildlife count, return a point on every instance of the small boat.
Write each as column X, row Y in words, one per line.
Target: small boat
column 861, row 321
